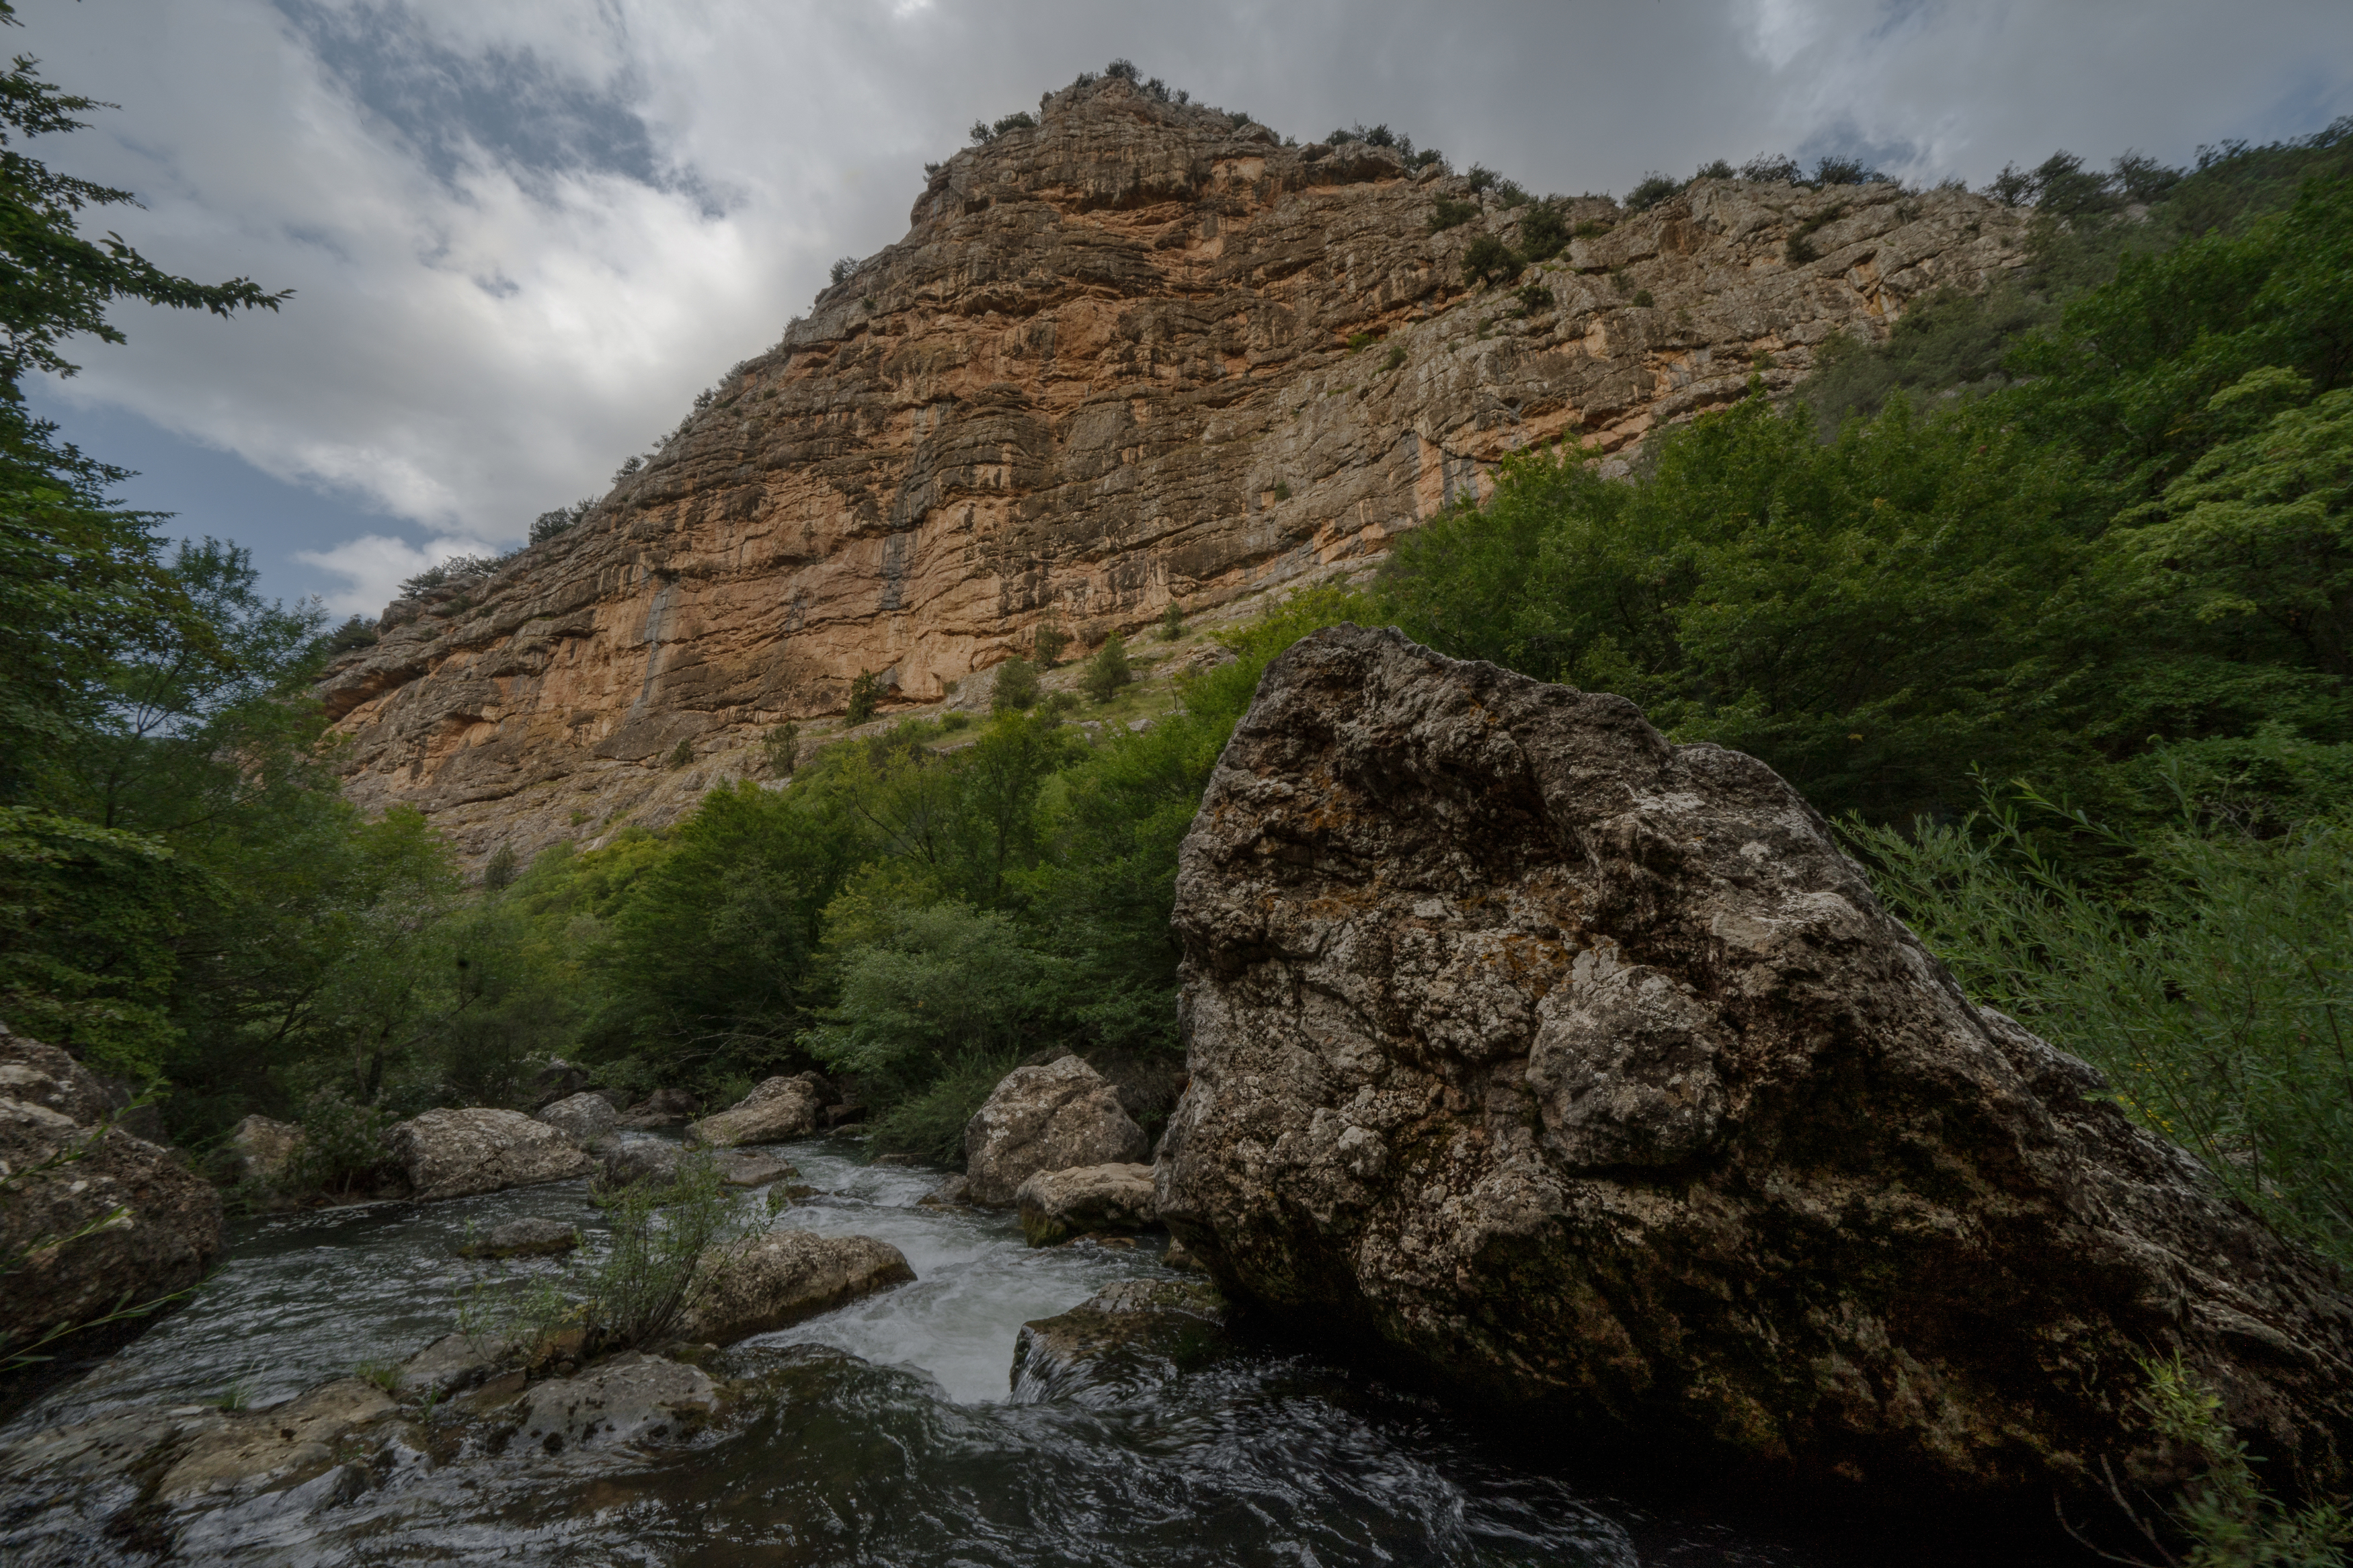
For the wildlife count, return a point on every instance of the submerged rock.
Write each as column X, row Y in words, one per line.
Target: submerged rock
column 584, row 1118
column 456, row 1154
column 247, row 1452
column 1057, row 1205
column 99, row 1219
column 1567, row 1065
column 780, row 1277
column 1124, row 1337
column 524, row 1238
column 1047, row 1118
column 780, row 1108
column 452, row 1362
column 630, row 1398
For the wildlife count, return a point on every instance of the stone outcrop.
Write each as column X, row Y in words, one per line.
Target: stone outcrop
column 1048, row 1118
column 1562, row 1064
column 623, row 1161
column 457, row 1153
column 1138, row 355
column 93, row 1219
column 584, row 1118
column 628, row 1399
column 1124, row 1337
column 527, row 1237
column 778, row 1109
column 256, row 1449
column 1056, row 1206
column 260, row 1148
column 778, row 1278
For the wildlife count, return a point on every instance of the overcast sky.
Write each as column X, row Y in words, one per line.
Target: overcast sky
column 523, row 234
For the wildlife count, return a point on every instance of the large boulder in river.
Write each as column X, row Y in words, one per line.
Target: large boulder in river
column 1559, row 1063
column 95, row 1218
column 584, row 1118
column 259, row 1149
column 776, row 1279
column 780, row 1108
column 1046, row 1118
column 456, row 1154
column 1059, row 1204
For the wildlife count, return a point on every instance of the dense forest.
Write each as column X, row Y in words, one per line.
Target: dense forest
column 2047, row 600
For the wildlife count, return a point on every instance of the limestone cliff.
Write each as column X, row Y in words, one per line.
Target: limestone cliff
column 1109, row 367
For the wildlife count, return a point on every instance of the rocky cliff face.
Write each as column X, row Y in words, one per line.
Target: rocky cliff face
column 1567, row 1066
column 1108, row 369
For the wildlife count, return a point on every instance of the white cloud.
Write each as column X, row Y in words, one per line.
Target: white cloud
column 375, row 565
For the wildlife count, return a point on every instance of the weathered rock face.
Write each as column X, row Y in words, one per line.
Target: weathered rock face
column 1106, row 369
column 456, row 1154
column 630, row 1398
column 780, row 1277
column 259, row 1149
column 1047, row 1118
column 584, row 1118
column 67, row 1170
column 1568, row 1065
column 778, row 1109
column 1059, row 1204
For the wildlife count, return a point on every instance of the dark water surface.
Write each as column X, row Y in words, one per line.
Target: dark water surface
column 890, row 1438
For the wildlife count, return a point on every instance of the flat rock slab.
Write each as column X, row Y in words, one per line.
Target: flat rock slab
column 1567, row 1065
column 250, row 1451
column 776, row 1279
column 584, row 1118
column 1056, row 1206
column 1048, row 1118
column 1128, row 1337
column 451, row 1363
column 629, row 1399
column 524, row 1238
column 654, row 1160
column 457, row 1153
column 780, row 1108
column 120, row 1443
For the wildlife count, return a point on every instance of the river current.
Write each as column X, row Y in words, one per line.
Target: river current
column 896, row 1443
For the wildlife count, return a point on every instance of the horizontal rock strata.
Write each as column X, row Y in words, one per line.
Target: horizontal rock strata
column 1562, row 1064
column 1134, row 357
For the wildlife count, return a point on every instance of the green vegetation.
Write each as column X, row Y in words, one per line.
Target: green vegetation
column 1016, row 686
column 1653, row 188
column 1447, row 213
column 1049, row 641
column 865, row 695
column 1107, row 671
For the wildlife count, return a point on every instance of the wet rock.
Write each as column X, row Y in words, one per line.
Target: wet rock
column 102, row 1219
column 1047, row 1118
column 780, row 1277
column 631, row 1398
column 780, row 1108
column 1057, row 1205
column 650, row 1159
column 584, row 1118
column 1568, row 1065
column 953, row 1193
column 663, row 1108
column 558, row 1080
column 259, row 1149
column 750, row 1168
column 848, row 1113
column 121, row 1443
column 524, row 1238
column 456, row 1154
column 1176, row 1254
column 899, row 1160
column 452, row 1362
column 304, row 1435
column 1124, row 1338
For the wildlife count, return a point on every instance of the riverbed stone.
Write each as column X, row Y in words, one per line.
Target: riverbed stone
column 778, row 1109
column 657, row 1159
column 457, row 1153
column 451, row 1363
column 120, row 1443
column 780, row 1277
column 1056, row 1206
column 631, row 1398
column 1562, row 1064
column 527, row 1237
column 663, row 1108
column 259, row 1150
column 256, row 1449
column 100, row 1218
column 1048, row 1118
column 1128, row 1335
column 584, row 1118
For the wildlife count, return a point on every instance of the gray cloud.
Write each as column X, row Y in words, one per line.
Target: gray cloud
column 524, row 235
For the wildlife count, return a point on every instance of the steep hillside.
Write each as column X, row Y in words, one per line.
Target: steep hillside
column 1135, row 354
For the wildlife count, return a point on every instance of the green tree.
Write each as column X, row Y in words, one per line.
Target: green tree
column 1108, row 670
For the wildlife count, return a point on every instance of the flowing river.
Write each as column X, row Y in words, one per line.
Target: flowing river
column 897, row 1441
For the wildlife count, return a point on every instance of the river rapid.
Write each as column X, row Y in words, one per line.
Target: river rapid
column 896, row 1440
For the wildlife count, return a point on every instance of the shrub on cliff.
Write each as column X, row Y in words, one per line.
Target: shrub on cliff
column 1107, row 671
column 1016, row 686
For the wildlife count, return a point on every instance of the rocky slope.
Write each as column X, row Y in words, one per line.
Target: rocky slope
column 1108, row 369
column 1563, row 1064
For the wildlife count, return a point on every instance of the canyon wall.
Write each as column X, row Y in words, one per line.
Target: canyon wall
column 1135, row 356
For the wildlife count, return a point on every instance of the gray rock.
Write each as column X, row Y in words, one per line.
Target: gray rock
column 750, row 1168
column 1126, row 1337
column 780, row 1108
column 777, row 1278
column 278, row 1445
column 654, row 1160
column 456, row 1154
column 452, row 1362
column 1576, row 1067
column 583, row 1118
column 1045, row 1119
column 953, row 1193
column 524, row 1238
column 259, row 1149
column 629, row 1399
column 120, row 1443
column 1059, row 1204
column 98, row 1216
column 663, row 1108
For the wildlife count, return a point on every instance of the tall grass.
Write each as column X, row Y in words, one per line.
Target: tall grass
column 2216, row 992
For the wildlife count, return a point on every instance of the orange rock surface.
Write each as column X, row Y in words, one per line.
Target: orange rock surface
column 1110, row 367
